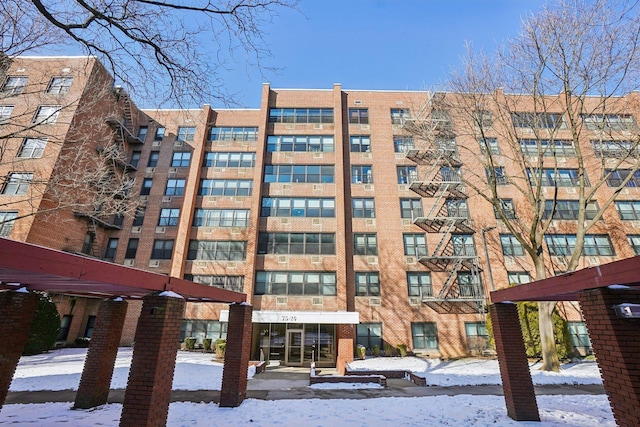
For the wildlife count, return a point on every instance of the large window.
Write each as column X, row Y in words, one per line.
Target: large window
column 545, row 147
column 450, row 174
column 59, row 85
column 615, row 149
column 579, row 335
column 490, row 144
column 477, row 335
column 594, row 244
column 411, row 208
column 186, row 133
column 135, row 159
column 221, row 218
column 7, row 219
column 360, row 144
column 298, row 207
column 550, row 177
column 463, row 245
column 159, row 134
column 365, row 244
column 153, row 159
column 406, row 174
column 300, row 143
column 132, row 248
column 295, row 283
column 297, row 243
column 367, row 284
column 142, row 133
column 469, row 285
column 229, row 160
column 359, row 116
column 609, row 122
column 162, row 249
column 363, row 208
column 415, row 244
column 201, row 329
column 457, row 208
column 147, row 183
column 32, row 148
column 425, row 335
column 181, row 159
column 225, row 187
column 248, row 134
column 617, row 177
column 46, row 114
column 634, row 242
column 568, row 209
column 518, row 277
column 419, row 284
column 301, row 115
column 402, row 144
column 169, row 217
column 361, row 174
column 400, row 115
column 17, row 184
column 232, row 283
column 112, row 247
column 5, row 113
column 508, row 209
column 218, row 250
column 498, row 174
column 538, row 120
column 369, row 335
column 175, row 187
column 510, row 245
column 299, row 173
column 13, row 85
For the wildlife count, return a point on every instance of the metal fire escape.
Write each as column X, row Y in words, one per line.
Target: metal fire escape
column 454, row 259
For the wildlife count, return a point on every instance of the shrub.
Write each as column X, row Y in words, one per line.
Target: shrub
column 376, row 350
column 206, row 344
column 45, row 327
column 82, row 342
column 190, row 343
column 402, row 348
column 388, row 350
column 361, row 351
column 221, row 348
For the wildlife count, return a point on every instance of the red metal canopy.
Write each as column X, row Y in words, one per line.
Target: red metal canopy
column 565, row 287
column 43, row 269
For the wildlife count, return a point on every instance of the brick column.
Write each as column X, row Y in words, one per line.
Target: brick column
column 16, row 315
column 101, row 356
column 616, row 343
column 346, row 335
column 146, row 399
column 517, row 385
column 236, row 356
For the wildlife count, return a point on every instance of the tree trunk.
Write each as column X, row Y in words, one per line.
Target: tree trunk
column 550, row 361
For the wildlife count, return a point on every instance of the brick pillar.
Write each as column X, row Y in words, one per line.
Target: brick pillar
column 514, row 367
column 236, row 356
column 146, row 399
column 16, row 315
column 616, row 343
column 101, row 356
column 346, row 335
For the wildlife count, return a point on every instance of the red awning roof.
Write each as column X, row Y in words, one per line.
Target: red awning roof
column 39, row 268
column 565, row 287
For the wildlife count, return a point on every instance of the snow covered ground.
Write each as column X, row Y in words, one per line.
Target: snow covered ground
column 61, row 369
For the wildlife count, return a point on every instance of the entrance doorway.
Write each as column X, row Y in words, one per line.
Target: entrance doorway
column 295, row 344
column 294, row 354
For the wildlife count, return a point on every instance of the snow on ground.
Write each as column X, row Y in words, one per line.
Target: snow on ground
column 61, row 369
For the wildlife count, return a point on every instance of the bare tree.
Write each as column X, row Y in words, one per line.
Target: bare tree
column 552, row 112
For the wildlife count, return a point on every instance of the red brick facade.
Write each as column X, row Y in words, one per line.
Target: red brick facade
column 236, row 359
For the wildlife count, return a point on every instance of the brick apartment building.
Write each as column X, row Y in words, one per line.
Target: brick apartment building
column 317, row 205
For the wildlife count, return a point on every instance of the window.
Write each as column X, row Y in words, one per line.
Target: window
column 402, row 144
column 568, row 209
column 87, row 246
column 300, row 143
column 225, row 187
column 617, row 177
column 360, row 144
column 368, row 284
column 615, row 149
column 47, row 114
column 518, row 277
column 142, row 133
column 135, row 158
column 549, row 148
column 14, row 85
column 579, row 335
column 65, row 324
column 490, row 144
column 5, row 113
column 168, row 217
column 59, row 85
column 510, row 245
column 415, row 245
column 162, row 249
column 594, row 244
column 201, row 329
column 469, row 285
column 301, row 115
column 112, row 246
column 411, row 208
column 406, row 174
column 246, row 134
column 91, row 323
column 457, row 208
column 483, row 119
column 633, row 239
column 419, row 284
column 132, row 248
column 538, row 120
column 181, row 159
column 506, row 205
column 299, row 173
column 369, row 335
column 7, row 219
column 609, row 122
column 146, row 186
column 153, row 159
column 229, row 160
column 498, row 174
column 32, row 148
column 17, row 184
column 365, row 244
column 400, row 115
column 556, row 177
column 159, row 134
column 425, row 335
column 448, row 174
column 175, row 187
column 217, row 250
column 295, row 283
column 361, row 174
column 138, row 219
column 186, row 133
column 363, row 208
column 221, row 218
column 359, row 116
column 232, row 283
column 477, row 335
column 298, row 207
column 628, row 209
column 463, row 245
column 297, row 243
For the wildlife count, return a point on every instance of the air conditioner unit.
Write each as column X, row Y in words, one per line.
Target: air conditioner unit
column 156, row 143
column 316, row 301
column 178, row 143
column 210, row 200
column 128, row 262
column 415, row 301
column 235, row 230
column 161, row 230
column 372, row 260
column 135, row 230
column 317, row 187
column 143, row 199
column 217, row 170
column 366, row 155
column 316, row 221
column 166, row 199
column 317, row 155
column 232, row 264
column 173, row 171
column 284, row 221
column 370, row 222
column 316, row 260
column 282, row 300
column 407, row 222
column 374, row 302
column 402, row 187
column 283, row 259
column 286, row 187
column 368, row 187
column 410, row 260
column 154, row 263
column 317, row 127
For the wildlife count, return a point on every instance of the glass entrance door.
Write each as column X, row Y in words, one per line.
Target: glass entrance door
column 294, row 347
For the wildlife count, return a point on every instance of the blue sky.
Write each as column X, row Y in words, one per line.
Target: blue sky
column 376, row 44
